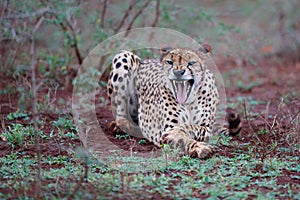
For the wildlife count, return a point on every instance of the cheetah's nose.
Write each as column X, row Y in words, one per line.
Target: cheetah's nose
column 178, row 73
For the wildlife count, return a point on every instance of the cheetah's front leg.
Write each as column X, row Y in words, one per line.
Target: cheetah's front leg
column 191, row 139
column 122, row 93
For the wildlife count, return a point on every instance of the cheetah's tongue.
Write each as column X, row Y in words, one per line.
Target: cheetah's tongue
column 181, row 92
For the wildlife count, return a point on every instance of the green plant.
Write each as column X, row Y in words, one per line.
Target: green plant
column 54, row 68
column 16, row 134
column 262, row 132
column 166, row 152
column 122, row 137
column 246, row 87
column 64, row 123
column 221, row 140
column 66, row 128
column 9, row 89
column 17, row 115
column 142, row 142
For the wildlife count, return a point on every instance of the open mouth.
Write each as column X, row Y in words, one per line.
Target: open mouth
column 182, row 89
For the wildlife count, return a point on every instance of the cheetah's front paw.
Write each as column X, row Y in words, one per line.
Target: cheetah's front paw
column 125, row 126
column 200, row 150
column 121, row 125
column 173, row 136
column 193, row 148
column 114, row 127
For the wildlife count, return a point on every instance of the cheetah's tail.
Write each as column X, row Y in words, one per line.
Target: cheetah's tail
column 234, row 122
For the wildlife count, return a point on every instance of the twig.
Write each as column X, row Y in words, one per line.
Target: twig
column 57, row 187
column 71, row 28
column 36, row 13
column 294, row 117
column 125, row 15
column 267, row 113
column 248, row 122
column 136, row 16
column 103, row 12
column 132, row 145
column 281, row 28
column 73, row 32
column 4, row 8
column 82, row 179
column 155, row 19
column 7, row 105
column 246, row 117
column 34, row 106
column 75, row 45
column 156, row 13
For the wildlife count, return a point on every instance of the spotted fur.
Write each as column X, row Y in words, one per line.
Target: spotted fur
column 173, row 100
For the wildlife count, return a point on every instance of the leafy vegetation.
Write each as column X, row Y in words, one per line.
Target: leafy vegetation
column 218, row 177
column 42, row 45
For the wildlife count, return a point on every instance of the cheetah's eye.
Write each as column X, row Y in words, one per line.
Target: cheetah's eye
column 170, row 62
column 191, row 63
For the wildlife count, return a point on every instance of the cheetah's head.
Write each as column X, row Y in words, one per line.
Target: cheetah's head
column 185, row 71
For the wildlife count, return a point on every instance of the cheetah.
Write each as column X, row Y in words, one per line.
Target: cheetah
column 169, row 101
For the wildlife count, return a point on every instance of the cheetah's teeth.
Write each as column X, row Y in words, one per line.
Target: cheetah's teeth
column 182, row 89
column 175, row 85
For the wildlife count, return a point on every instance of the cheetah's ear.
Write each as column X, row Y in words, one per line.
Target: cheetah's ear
column 206, row 49
column 164, row 50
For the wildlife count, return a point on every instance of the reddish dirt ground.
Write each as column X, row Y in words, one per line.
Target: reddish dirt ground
column 278, row 79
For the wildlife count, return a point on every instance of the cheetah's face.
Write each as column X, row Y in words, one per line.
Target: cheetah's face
column 184, row 73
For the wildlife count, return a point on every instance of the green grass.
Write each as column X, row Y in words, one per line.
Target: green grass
column 18, row 135
column 119, row 177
